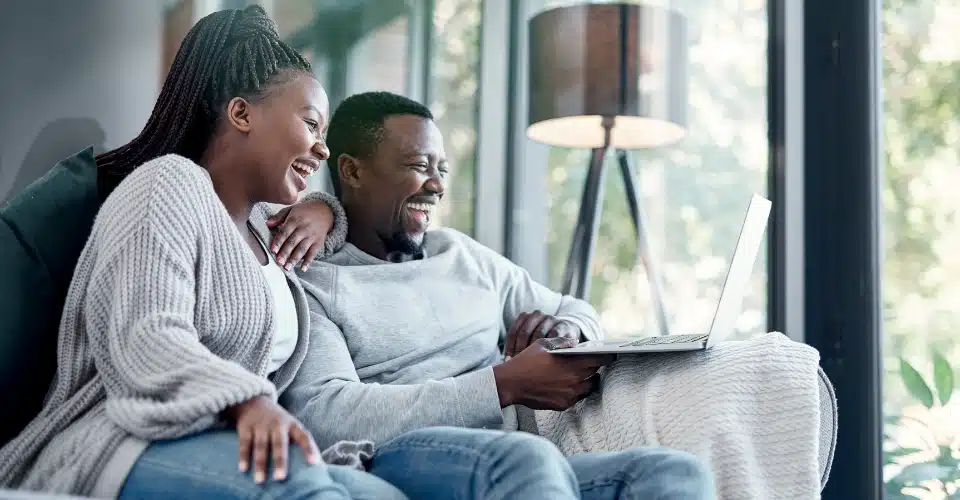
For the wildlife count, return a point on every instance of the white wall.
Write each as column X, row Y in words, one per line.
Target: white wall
column 79, row 65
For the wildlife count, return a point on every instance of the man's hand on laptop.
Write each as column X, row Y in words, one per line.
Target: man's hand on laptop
column 540, row 380
column 532, row 326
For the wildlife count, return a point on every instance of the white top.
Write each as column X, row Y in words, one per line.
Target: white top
column 285, row 313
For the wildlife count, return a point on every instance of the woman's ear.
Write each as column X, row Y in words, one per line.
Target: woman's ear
column 349, row 169
column 238, row 114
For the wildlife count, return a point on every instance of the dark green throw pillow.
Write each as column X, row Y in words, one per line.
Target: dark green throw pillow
column 42, row 232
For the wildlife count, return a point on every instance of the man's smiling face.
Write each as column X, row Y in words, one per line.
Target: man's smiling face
column 402, row 182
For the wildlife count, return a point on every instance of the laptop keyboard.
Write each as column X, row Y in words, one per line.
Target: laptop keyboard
column 666, row 339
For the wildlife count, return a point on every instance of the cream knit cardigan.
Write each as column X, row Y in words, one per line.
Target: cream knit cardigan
column 167, row 323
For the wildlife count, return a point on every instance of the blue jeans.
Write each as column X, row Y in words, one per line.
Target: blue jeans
column 457, row 463
column 205, row 466
column 438, row 463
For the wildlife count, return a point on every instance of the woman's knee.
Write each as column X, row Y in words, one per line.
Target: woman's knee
column 206, row 466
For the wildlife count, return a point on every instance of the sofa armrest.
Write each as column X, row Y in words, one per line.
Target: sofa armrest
column 828, row 426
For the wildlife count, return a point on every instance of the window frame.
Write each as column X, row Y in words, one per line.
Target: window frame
column 842, row 307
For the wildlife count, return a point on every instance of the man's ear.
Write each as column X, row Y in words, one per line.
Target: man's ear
column 238, row 114
column 349, row 170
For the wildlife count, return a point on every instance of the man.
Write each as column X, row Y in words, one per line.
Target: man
column 409, row 326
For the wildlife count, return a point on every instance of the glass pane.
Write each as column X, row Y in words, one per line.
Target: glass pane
column 695, row 193
column 921, row 267
column 293, row 18
column 379, row 61
column 456, row 68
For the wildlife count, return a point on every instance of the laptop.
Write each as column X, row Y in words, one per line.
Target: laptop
column 728, row 309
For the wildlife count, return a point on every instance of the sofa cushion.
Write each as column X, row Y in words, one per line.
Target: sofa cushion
column 42, row 232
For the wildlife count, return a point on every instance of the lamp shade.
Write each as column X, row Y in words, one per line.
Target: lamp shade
column 622, row 61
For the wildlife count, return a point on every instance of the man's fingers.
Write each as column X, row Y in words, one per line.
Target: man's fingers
column 245, row 438
column 261, row 452
column 312, row 253
column 306, row 443
column 552, row 343
column 526, row 330
column 283, row 256
column 300, row 251
column 547, row 327
column 510, row 347
column 564, row 329
column 283, row 231
column 278, row 218
column 278, row 446
column 589, row 385
column 594, row 362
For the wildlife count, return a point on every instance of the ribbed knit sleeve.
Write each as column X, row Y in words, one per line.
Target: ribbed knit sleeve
column 161, row 381
column 338, row 233
column 336, row 238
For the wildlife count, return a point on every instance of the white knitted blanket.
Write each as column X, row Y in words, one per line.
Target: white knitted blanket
column 750, row 409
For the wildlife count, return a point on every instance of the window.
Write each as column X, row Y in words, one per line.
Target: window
column 921, row 291
column 177, row 21
column 695, row 193
column 453, row 88
column 294, row 18
column 379, row 60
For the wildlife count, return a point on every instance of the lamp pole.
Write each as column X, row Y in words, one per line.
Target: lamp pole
column 608, row 76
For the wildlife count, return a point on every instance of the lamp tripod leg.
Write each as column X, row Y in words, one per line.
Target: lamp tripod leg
column 592, row 202
column 576, row 277
column 644, row 252
column 570, row 276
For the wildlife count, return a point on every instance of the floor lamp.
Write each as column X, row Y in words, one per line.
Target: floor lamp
column 608, row 76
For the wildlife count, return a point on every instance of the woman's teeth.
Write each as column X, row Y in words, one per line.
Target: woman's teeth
column 303, row 170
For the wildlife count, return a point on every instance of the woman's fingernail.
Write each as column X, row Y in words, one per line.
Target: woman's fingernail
column 243, row 466
column 288, row 266
column 259, row 477
column 312, row 460
column 279, row 474
column 275, row 248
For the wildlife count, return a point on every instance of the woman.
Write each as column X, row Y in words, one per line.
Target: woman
column 179, row 328
column 156, row 342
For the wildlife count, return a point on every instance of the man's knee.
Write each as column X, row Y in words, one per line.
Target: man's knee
column 682, row 470
column 523, row 447
column 521, row 451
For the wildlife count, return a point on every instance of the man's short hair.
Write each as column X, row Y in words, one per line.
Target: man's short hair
column 357, row 126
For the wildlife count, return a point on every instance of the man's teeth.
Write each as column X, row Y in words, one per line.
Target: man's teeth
column 423, row 207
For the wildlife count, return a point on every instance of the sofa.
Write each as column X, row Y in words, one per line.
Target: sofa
column 42, row 232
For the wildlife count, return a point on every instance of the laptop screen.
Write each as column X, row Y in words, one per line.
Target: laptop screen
column 741, row 267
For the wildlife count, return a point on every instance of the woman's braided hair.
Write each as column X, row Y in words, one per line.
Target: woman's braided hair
column 227, row 54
